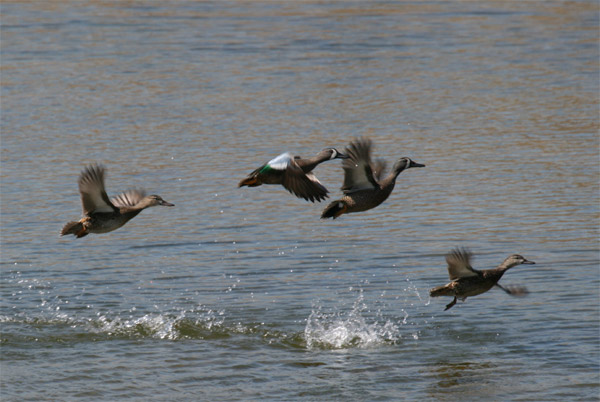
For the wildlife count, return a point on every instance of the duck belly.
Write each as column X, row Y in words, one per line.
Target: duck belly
column 104, row 223
column 472, row 288
column 271, row 177
column 361, row 201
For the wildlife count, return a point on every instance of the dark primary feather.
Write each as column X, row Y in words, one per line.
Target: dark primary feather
column 301, row 185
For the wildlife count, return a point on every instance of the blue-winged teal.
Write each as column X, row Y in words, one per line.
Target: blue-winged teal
column 294, row 173
column 363, row 187
column 101, row 215
column 467, row 281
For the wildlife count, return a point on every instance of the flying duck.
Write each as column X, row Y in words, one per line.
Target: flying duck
column 467, row 281
column 294, row 173
column 363, row 186
column 101, row 215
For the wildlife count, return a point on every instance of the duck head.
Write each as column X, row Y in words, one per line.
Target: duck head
column 515, row 260
column 406, row 163
column 154, row 200
column 332, row 153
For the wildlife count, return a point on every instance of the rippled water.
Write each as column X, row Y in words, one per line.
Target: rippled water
column 246, row 293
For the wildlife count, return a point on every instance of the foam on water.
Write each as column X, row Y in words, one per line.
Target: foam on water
column 159, row 325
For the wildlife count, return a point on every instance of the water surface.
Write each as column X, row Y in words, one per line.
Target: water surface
column 245, row 293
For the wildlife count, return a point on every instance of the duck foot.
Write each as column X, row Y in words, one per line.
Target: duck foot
column 452, row 303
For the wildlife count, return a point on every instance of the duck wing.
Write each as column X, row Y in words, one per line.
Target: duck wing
column 279, row 163
column 274, row 166
column 301, row 184
column 459, row 264
column 378, row 167
column 129, row 198
column 93, row 195
column 358, row 174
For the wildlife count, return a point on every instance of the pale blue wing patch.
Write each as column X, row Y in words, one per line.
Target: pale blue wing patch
column 281, row 162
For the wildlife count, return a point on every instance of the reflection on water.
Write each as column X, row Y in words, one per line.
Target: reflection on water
column 232, row 288
column 460, row 374
column 471, row 380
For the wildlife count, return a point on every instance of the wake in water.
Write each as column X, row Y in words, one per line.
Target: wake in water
column 357, row 323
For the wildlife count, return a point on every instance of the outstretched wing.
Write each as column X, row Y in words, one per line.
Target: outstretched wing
column 303, row 185
column 91, row 188
column 129, row 198
column 358, row 174
column 459, row 264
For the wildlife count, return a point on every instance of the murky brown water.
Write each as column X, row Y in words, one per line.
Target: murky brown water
column 246, row 293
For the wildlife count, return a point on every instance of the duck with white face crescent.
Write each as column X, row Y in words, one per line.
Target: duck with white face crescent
column 294, row 174
column 365, row 187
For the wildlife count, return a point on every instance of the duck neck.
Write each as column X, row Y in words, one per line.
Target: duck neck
column 494, row 273
column 309, row 164
column 137, row 208
column 390, row 179
column 143, row 203
column 507, row 264
column 501, row 269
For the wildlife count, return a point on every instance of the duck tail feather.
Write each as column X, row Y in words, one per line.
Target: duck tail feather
column 72, row 228
column 441, row 291
column 334, row 209
column 251, row 181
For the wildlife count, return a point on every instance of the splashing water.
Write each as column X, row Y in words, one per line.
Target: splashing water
column 162, row 325
column 341, row 330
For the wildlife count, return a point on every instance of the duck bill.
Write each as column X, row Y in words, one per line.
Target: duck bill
column 341, row 156
column 528, row 262
column 166, row 204
column 415, row 164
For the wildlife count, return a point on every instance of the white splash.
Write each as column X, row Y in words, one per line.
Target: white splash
column 157, row 325
column 351, row 329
